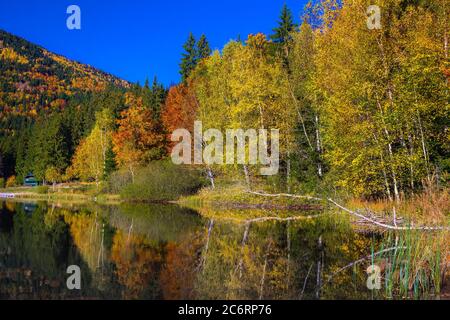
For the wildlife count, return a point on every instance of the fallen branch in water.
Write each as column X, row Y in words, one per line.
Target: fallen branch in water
column 263, row 219
column 284, row 195
column 384, row 225
column 359, row 215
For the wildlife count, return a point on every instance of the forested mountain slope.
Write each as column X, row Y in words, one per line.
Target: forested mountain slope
column 33, row 80
column 48, row 104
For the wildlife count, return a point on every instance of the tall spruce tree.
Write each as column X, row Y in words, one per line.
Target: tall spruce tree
column 203, row 49
column 189, row 57
column 286, row 25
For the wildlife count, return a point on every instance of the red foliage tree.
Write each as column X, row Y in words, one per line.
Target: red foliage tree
column 180, row 109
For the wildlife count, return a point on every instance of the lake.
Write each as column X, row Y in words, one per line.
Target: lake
column 168, row 252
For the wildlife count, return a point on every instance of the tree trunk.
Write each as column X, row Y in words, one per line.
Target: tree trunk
column 132, row 173
column 247, row 176
column 263, row 277
column 288, row 239
column 411, row 166
column 288, row 174
column 394, row 177
column 205, row 251
column 424, row 147
column 301, row 118
column 210, row 176
column 243, row 243
column 391, row 154
column 318, row 147
column 383, row 165
column 319, row 268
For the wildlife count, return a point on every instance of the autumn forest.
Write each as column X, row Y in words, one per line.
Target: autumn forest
column 371, row 121
column 363, row 115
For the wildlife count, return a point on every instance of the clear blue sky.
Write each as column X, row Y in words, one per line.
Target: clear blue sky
column 136, row 39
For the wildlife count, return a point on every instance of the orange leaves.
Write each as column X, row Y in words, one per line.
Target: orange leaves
column 138, row 138
column 257, row 41
column 136, row 262
column 88, row 84
column 180, row 109
column 58, row 104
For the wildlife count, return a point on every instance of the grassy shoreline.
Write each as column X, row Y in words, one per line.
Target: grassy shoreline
column 234, row 201
column 67, row 194
column 427, row 208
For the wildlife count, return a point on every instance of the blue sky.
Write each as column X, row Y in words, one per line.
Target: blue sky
column 136, row 39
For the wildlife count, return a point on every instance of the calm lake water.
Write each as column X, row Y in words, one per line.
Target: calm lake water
column 168, row 252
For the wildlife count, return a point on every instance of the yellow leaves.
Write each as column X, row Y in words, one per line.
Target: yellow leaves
column 246, row 88
column 86, row 233
column 89, row 84
column 88, row 162
column 258, row 42
column 11, row 182
column 9, row 54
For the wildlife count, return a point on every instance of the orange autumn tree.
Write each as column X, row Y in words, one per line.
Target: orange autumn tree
column 136, row 262
column 139, row 138
column 180, row 109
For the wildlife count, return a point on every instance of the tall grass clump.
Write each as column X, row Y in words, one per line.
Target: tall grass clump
column 159, row 181
column 415, row 268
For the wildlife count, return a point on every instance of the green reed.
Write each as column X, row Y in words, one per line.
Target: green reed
column 413, row 269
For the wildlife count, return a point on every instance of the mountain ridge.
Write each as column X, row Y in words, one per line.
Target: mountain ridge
column 34, row 79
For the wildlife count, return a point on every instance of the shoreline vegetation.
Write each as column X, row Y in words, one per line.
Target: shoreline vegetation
column 427, row 211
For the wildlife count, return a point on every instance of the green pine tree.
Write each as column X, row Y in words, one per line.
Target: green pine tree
column 158, row 97
column 110, row 163
column 203, row 49
column 189, row 58
column 286, row 26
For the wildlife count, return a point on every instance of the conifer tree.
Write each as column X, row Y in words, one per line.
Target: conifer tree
column 203, row 49
column 189, row 57
column 286, row 25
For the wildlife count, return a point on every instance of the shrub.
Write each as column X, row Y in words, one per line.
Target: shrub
column 2, row 182
column 11, row 182
column 162, row 181
column 52, row 175
column 41, row 189
column 118, row 180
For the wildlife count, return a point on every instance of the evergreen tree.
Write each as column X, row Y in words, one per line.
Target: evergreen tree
column 110, row 163
column 286, row 25
column 147, row 84
column 47, row 147
column 158, row 97
column 189, row 58
column 203, row 49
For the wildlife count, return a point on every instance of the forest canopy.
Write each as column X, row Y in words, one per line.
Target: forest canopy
column 360, row 110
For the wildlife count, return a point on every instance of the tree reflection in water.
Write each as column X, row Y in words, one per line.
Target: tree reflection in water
column 167, row 252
